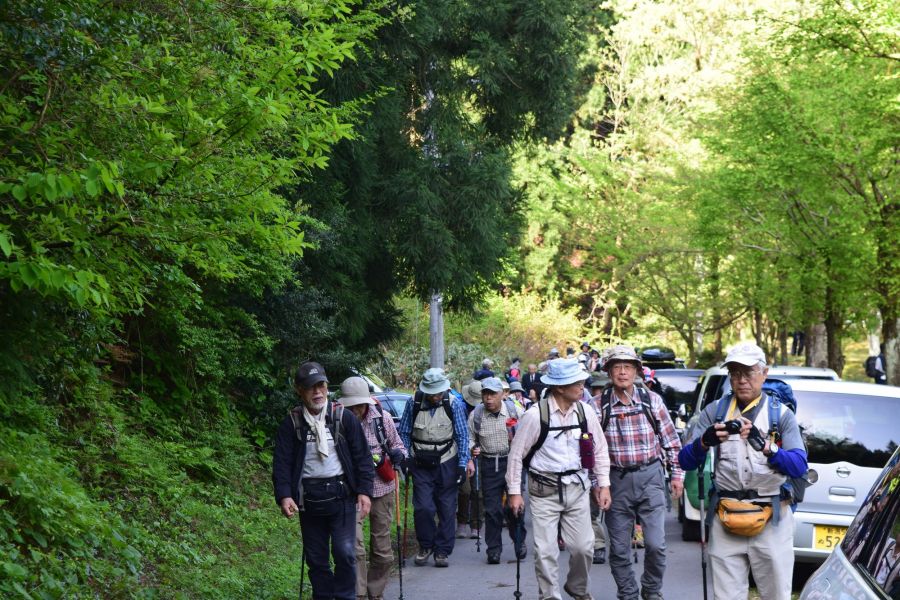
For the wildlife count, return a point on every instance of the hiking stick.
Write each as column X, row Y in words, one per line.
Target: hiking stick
column 702, row 528
column 399, row 527
column 477, row 507
column 302, row 570
column 519, row 541
column 406, row 509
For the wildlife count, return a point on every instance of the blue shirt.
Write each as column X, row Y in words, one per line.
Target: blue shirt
column 460, row 426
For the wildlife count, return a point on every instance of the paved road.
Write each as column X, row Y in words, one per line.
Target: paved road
column 469, row 577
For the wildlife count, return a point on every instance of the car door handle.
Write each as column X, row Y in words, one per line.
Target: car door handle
column 842, row 491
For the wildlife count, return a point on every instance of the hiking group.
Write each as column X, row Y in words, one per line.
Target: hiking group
column 582, row 442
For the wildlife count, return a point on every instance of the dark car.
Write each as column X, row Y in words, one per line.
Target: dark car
column 677, row 386
column 658, row 357
column 393, row 403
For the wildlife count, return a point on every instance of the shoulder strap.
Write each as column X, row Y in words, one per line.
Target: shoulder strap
column 582, row 420
column 512, row 408
column 477, row 413
column 380, row 432
column 297, row 419
column 337, row 414
column 544, row 411
column 774, row 413
column 419, row 398
column 605, row 407
column 647, row 407
column 722, row 407
column 447, row 407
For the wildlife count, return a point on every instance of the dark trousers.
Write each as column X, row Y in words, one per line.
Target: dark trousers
column 338, row 526
column 434, row 493
column 492, row 478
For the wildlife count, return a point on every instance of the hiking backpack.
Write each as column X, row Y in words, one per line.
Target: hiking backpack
column 333, row 415
column 544, row 411
column 871, row 367
column 419, row 399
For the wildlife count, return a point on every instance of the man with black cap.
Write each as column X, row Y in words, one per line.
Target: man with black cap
column 752, row 467
column 491, row 429
column 322, row 468
column 560, row 443
column 434, row 430
column 641, row 438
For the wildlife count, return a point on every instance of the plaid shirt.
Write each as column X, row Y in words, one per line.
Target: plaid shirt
column 382, row 488
column 493, row 438
column 631, row 438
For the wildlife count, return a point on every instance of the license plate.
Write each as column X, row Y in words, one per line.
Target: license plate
column 827, row 537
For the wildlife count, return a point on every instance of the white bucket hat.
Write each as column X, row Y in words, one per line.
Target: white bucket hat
column 563, row 371
column 355, row 391
column 434, row 381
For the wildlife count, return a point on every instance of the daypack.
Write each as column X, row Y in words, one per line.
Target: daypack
column 778, row 393
column 871, row 368
column 646, row 408
column 478, row 412
column 332, row 421
column 419, row 399
column 544, row 410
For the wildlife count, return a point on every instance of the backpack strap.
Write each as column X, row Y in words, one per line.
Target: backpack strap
column 544, row 409
column 477, row 413
column 337, row 416
column 419, row 400
column 722, row 405
column 380, row 432
column 605, row 407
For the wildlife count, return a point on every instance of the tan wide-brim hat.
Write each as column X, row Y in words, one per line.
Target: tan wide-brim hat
column 355, row 391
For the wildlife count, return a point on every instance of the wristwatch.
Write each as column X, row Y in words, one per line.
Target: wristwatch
column 772, row 450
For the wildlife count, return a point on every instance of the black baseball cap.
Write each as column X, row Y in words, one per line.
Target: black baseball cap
column 309, row 374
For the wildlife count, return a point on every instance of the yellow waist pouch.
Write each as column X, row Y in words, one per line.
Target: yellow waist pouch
column 743, row 518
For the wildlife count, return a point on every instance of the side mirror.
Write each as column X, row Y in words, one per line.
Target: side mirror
column 682, row 411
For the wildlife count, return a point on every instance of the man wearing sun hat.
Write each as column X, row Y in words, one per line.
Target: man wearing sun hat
column 322, row 468
column 642, row 440
column 434, row 430
column 387, row 452
column 549, row 442
column 468, row 524
column 751, row 466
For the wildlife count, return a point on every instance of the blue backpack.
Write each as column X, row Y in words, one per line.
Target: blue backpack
column 778, row 393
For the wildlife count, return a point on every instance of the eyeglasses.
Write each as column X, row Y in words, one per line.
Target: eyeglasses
column 622, row 366
column 747, row 374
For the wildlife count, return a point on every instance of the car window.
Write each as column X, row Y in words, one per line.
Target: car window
column 677, row 390
column 711, row 393
column 848, row 427
column 872, row 543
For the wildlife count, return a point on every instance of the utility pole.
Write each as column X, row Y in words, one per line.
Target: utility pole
column 436, row 329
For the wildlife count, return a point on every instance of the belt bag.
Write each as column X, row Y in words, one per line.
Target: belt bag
column 431, row 458
column 743, row 518
column 320, row 495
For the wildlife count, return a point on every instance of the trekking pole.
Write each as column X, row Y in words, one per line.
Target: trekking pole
column 700, row 493
column 477, row 507
column 302, row 570
column 519, row 541
column 399, row 527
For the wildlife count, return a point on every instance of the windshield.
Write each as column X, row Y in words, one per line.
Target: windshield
column 848, row 427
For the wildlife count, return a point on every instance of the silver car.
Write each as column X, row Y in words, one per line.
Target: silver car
column 867, row 563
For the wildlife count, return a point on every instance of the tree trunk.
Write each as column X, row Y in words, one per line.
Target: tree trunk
column 783, row 344
column 817, row 346
column 834, row 326
column 436, row 330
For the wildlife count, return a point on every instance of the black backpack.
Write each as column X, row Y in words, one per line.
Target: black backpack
column 333, row 415
column 871, row 368
column 544, row 409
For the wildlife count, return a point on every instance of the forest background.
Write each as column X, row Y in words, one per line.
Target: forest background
column 196, row 196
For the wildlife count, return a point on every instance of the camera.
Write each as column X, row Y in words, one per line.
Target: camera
column 733, row 426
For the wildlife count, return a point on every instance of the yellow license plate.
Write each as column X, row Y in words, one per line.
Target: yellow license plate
column 827, row 537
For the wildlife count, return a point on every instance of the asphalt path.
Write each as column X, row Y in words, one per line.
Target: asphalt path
column 469, row 577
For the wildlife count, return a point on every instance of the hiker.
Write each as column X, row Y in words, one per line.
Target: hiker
column 753, row 460
column 642, row 441
column 387, row 451
column 530, row 378
column 491, row 429
column 596, row 385
column 485, row 370
column 322, row 469
column 562, row 446
column 517, row 394
column 433, row 428
column 469, row 509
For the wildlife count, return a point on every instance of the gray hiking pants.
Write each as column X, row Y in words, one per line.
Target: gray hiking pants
column 638, row 493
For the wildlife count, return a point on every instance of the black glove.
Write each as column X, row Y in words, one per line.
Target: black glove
column 710, row 437
column 397, row 458
column 756, row 439
column 460, row 475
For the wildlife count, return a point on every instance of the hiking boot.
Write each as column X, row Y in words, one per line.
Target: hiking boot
column 648, row 595
column 463, row 531
column 440, row 560
column 422, row 557
column 493, row 558
column 475, row 534
column 638, row 540
column 521, row 552
column 577, row 597
column 599, row 556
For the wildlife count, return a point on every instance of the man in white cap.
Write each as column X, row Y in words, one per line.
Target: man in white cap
column 754, row 458
column 388, row 453
column 433, row 428
column 491, row 428
column 323, row 469
column 642, row 440
column 563, row 448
